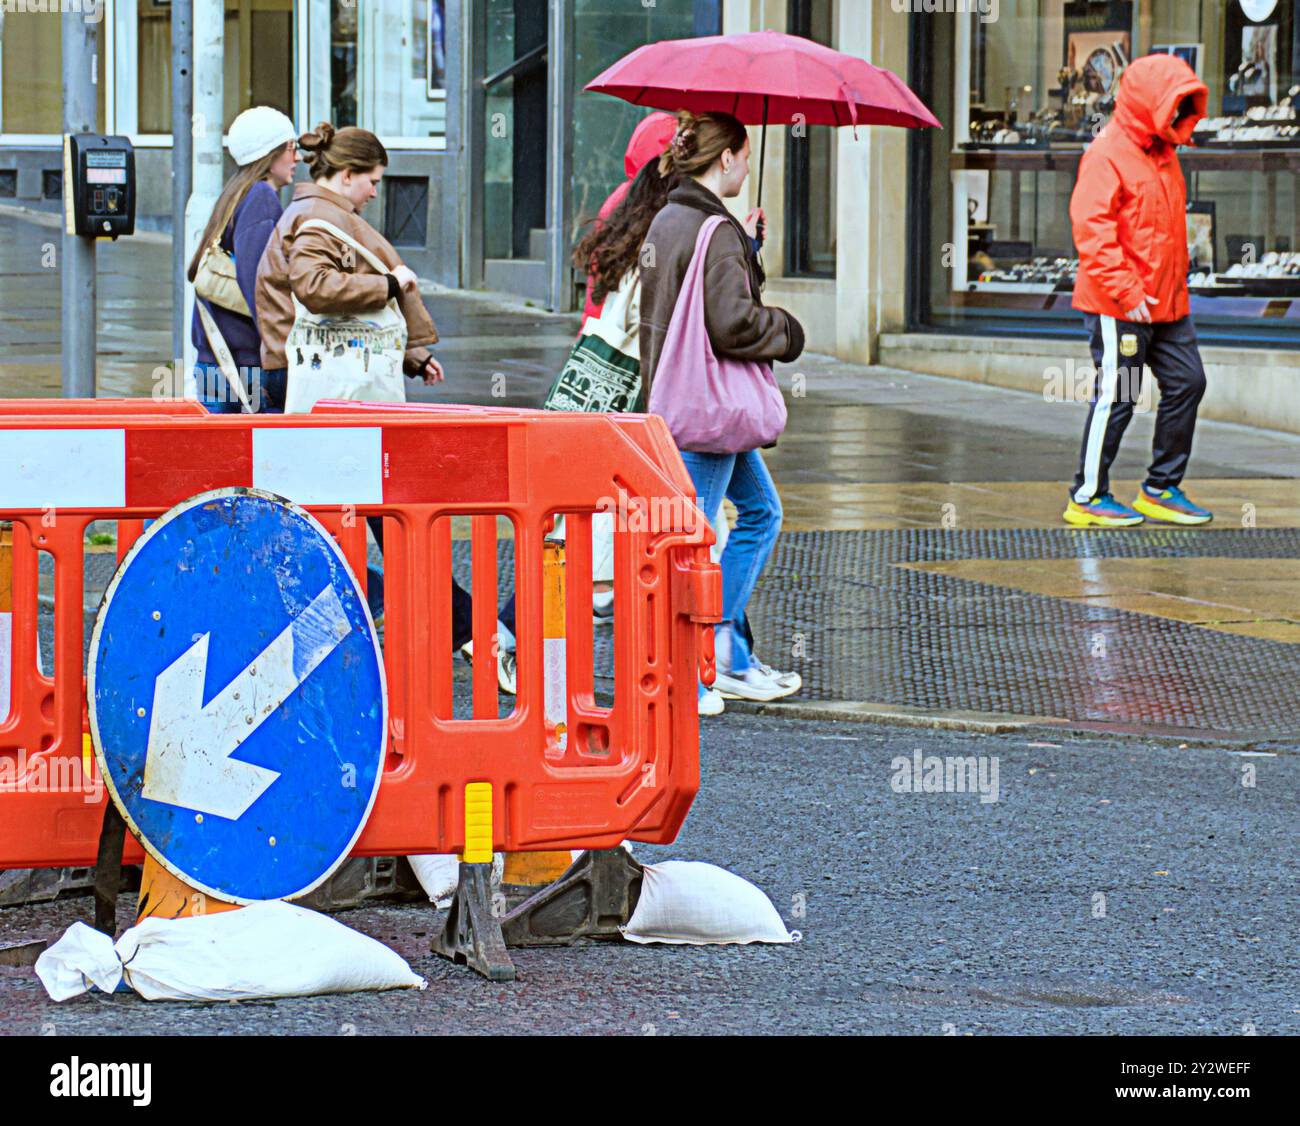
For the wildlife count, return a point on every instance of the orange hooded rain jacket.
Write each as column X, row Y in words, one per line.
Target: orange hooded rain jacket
column 1128, row 210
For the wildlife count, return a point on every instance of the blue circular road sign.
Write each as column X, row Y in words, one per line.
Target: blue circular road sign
column 237, row 699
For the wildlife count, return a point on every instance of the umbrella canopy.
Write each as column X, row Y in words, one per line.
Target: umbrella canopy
column 763, row 77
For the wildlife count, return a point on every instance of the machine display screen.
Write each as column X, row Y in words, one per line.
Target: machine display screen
column 106, row 175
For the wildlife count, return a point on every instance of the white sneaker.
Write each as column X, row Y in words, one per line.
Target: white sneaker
column 791, row 681
column 507, row 670
column 711, row 703
column 752, row 684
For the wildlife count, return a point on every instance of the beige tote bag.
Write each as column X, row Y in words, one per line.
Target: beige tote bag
column 354, row 356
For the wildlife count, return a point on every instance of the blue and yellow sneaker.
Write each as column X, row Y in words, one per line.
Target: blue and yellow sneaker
column 1170, row 506
column 1101, row 512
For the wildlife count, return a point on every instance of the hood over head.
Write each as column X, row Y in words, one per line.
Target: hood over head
column 1150, row 93
column 650, row 140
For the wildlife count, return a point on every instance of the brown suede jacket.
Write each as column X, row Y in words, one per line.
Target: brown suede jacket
column 739, row 324
column 328, row 276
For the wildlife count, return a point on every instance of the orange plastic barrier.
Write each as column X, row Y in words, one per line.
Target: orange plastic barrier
column 627, row 771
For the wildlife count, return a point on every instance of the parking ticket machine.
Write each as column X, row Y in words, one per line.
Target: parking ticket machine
column 99, row 185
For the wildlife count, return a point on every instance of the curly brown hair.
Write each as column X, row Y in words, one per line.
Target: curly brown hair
column 612, row 248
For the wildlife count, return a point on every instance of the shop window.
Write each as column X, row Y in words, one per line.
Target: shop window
column 388, row 67
column 604, row 31
column 31, row 65
column 154, row 66
column 811, row 164
column 406, row 210
column 1021, row 97
column 8, row 183
column 257, row 56
column 343, row 63
column 52, row 183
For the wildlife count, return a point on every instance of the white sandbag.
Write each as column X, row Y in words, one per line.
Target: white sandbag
column 687, row 902
column 439, row 873
column 269, row 949
column 81, row 958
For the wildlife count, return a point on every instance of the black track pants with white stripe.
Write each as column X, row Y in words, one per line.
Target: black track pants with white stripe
column 1119, row 351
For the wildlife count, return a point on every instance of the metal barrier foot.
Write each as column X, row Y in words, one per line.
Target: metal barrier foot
column 108, row 869
column 594, row 897
column 472, row 936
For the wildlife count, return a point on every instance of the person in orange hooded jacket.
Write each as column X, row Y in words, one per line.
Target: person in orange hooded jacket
column 1128, row 214
column 650, row 139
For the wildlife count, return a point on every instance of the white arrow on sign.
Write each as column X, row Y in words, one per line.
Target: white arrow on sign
column 188, row 760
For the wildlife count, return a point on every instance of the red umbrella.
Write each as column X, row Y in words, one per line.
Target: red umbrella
column 761, row 77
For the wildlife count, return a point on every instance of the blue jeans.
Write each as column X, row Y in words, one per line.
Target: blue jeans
column 265, row 389
column 462, row 603
column 744, row 480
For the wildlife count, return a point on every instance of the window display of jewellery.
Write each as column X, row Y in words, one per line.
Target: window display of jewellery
column 1017, row 126
column 993, row 132
column 1087, row 95
column 1248, row 74
column 1277, row 273
column 1274, row 126
column 1039, row 275
column 1046, row 127
column 1205, row 284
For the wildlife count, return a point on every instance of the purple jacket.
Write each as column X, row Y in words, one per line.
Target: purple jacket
column 245, row 237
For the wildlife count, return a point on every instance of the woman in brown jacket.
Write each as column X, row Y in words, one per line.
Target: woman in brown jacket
column 327, row 275
column 711, row 155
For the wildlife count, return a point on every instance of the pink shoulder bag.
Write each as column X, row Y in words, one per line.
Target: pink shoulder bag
column 712, row 404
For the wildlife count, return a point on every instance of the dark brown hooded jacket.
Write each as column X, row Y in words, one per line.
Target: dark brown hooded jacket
column 739, row 324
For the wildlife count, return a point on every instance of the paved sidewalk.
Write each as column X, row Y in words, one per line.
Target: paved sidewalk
column 924, row 574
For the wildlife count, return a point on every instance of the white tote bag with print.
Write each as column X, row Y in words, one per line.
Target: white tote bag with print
column 354, row 356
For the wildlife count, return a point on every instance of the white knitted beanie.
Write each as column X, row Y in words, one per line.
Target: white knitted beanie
column 258, row 131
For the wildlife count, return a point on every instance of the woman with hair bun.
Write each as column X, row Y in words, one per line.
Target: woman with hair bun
column 327, row 275
column 710, row 153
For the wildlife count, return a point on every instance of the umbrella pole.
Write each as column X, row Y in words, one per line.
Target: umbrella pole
column 762, row 154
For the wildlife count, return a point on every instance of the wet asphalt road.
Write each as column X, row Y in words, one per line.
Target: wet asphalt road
column 924, row 913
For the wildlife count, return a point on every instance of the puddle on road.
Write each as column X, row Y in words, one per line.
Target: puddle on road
column 1024, row 993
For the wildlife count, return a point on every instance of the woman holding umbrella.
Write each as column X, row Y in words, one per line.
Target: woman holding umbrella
column 731, row 81
column 711, row 155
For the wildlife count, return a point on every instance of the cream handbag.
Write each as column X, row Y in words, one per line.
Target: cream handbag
column 217, row 282
column 354, row 356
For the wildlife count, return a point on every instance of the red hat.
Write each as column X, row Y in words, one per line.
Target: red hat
column 650, row 140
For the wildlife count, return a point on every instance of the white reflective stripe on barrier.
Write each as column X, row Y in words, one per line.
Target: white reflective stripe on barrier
column 556, row 671
column 62, row 469
column 6, row 660
column 344, row 465
column 82, row 468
